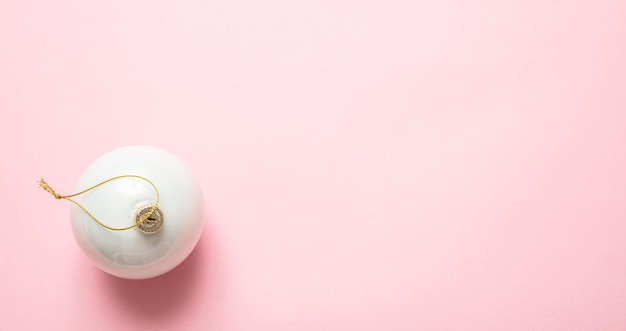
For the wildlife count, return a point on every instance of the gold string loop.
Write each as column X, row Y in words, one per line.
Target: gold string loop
column 42, row 184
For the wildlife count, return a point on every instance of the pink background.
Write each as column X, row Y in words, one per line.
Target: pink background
column 367, row 165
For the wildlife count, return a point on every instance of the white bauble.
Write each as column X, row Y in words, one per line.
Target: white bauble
column 131, row 253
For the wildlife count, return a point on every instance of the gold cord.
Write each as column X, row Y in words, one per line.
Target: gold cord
column 42, row 183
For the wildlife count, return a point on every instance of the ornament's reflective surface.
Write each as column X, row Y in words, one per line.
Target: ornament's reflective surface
column 166, row 238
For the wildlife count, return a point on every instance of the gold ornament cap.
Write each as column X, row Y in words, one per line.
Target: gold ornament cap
column 153, row 223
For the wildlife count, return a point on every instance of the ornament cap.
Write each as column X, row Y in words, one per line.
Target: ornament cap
column 153, row 223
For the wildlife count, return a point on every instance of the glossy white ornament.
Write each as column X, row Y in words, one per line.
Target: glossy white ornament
column 131, row 253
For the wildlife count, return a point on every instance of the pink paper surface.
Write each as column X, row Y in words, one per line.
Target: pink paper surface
column 366, row 165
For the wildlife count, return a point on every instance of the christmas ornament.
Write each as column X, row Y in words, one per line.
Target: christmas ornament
column 137, row 213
